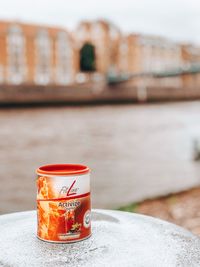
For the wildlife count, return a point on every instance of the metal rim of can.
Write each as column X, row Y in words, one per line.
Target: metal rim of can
column 64, row 242
column 62, row 169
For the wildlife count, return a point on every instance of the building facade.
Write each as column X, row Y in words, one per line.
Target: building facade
column 41, row 55
column 152, row 54
column 190, row 54
column 104, row 37
column 35, row 55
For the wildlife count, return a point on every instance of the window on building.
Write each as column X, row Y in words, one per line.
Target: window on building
column 123, row 49
column 43, row 58
column 98, row 33
column 113, row 32
column 113, row 49
column 87, row 58
column 1, row 74
column 16, row 55
column 64, row 59
column 82, row 33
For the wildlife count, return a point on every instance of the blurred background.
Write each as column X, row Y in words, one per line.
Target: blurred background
column 112, row 86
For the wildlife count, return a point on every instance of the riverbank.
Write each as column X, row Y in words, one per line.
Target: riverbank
column 182, row 209
column 95, row 93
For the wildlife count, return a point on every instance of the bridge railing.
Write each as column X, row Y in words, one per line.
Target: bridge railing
column 176, row 72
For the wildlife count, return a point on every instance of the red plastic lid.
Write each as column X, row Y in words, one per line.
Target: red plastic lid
column 62, row 169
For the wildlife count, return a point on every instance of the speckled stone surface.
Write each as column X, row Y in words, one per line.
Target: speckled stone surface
column 118, row 239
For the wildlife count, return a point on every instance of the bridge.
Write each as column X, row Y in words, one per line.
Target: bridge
column 185, row 70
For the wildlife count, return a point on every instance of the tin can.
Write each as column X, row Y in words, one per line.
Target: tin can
column 63, row 203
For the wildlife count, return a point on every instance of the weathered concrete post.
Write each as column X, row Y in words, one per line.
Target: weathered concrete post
column 118, row 239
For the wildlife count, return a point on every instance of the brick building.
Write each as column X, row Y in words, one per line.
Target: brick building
column 35, row 54
column 190, row 54
column 191, row 63
column 104, row 38
column 151, row 54
column 41, row 55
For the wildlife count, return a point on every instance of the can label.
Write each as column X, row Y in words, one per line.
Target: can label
column 63, row 208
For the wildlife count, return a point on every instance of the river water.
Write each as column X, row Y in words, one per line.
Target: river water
column 134, row 151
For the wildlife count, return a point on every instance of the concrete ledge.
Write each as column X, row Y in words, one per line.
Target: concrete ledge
column 118, row 239
column 93, row 93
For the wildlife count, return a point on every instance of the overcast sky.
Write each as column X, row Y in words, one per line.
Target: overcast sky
column 177, row 19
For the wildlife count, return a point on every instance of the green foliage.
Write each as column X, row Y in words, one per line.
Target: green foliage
column 129, row 208
column 172, row 200
column 87, row 58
